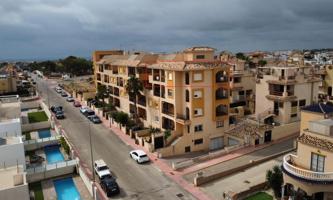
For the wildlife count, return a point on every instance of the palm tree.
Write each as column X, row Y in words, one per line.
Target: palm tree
column 134, row 87
column 275, row 180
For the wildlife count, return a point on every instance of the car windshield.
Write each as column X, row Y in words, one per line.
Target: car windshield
column 103, row 168
column 143, row 156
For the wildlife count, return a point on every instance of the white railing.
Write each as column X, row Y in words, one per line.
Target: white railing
column 41, row 140
column 303, row 173
column 48, row 167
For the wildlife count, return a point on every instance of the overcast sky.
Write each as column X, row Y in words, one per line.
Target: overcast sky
column 58, row 28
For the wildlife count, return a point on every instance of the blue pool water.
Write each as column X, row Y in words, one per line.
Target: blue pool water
column 66, row 189
column 45, row 133
column 53, row 155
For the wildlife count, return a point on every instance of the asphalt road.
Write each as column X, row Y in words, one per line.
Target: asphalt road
column 144, row 181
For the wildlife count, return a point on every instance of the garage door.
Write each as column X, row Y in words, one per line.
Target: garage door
column 216, row 143
column 232, row 142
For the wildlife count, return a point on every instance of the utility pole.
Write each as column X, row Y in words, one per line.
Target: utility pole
column 92, row 159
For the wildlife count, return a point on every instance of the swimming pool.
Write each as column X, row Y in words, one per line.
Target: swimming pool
column 45, row 133
column 66, row 190
column 53, row 154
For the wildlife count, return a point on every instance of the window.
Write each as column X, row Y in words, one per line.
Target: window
column 198, row 112
column 170, row 92
column 187, row 96
column 188, row 129
column 293, row 115
column 302, row 103
column 219, row 124
column 200, row 56
column 248, row 92
column 197, row 94
column 280, row 104
column 187, row 78
column 170, row 76
column 197, row 76
column 198, row 141
column 187, row 149
column 317, row 162
column 198, row 128
column 237, row 79
column 294, row 103
column 241, row 92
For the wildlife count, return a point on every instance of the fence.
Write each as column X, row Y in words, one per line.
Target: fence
column 50, row 170
column 38, row 143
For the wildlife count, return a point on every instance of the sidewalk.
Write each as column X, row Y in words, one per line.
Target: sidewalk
column 241, row 160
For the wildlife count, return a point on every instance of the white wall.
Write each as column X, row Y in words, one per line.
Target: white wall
column 10, row 128
column 12, row 154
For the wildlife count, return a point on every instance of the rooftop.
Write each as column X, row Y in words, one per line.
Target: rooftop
column 202, row 48
column 316, row 142
column 319, row 108
column 9, row 178
column 247, row 128
column 9, row 109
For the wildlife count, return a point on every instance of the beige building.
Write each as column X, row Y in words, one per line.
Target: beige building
column 309, row 174
column 7, row 84
column 186, row 93
column 242, row 87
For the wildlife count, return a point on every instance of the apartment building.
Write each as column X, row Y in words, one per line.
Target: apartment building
column 13, row 183
column 186, row 93
column 7, row 84
column 281, row 91
column 325, row 72
column 242, row 87
column 309, row 174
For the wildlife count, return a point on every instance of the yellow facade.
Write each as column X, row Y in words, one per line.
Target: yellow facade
column 179, row 91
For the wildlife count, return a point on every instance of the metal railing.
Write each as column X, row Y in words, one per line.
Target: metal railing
column 48, row 167
column 288, row 165
column 52, row 138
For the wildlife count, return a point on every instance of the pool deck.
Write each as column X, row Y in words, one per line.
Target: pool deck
column 50, row 193
column 34, row 134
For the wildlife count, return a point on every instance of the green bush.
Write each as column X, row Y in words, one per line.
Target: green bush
column 120, row 117
column 167, row 133
column 64, row 145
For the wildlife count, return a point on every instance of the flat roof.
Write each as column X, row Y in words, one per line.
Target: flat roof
column 319, row 108
column 7, row 176
column 10, row 110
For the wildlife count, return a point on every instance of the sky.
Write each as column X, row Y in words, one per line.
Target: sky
column 43, row 29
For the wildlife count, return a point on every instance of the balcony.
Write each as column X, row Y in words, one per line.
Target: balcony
column 168, row 109
column 281, row 96
column 289, row 167
column 183, row 119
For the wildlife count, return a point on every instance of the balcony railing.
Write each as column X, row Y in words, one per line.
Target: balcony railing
column 290, row 168
column 168, row 112
column 183, row 119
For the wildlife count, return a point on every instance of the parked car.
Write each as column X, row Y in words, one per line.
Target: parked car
column 110, row 186
column 101, row 169
column 70, row 99
column 54, row 108
column 83, row 109
column 58, row 89
column 76, row 104
column 95, row 119
column 60, row 115
column 139, row 156
column 64, row 94
column 88, row 112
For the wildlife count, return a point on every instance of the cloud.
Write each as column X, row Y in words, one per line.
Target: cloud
column 57, row 28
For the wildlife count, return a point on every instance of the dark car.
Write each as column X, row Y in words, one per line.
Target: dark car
column 95, row 119
column 54, row 109
column 110, row 186
column 60, row 115
column 64, row 94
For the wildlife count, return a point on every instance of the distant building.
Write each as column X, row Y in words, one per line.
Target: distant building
column 7, row 84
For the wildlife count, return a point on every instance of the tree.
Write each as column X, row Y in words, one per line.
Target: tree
column 134, row 87
column 262, row 63
column 275, row 180
column 101, row 92
column 241, row 56
column 120, row 117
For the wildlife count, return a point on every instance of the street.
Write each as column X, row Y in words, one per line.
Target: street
column 136, row 181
